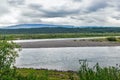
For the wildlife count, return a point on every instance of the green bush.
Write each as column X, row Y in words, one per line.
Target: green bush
column 112, row 39
column 8, row 53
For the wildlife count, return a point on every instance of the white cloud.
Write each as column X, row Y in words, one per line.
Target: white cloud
column 73, row 12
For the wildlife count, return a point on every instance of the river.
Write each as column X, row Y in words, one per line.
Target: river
column 67, row 58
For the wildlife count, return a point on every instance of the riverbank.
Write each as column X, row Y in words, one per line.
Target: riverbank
column 66, row 43
column 45, row 74
column 84, row 73
column 55, row 35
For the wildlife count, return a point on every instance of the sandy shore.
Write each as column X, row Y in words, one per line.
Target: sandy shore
column 65, row 43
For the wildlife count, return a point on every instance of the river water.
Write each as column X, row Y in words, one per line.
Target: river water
column 67, row 58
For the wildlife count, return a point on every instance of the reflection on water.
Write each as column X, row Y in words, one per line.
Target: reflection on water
column 67, row 58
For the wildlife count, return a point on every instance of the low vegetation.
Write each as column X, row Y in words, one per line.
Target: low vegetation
column 112, row 39
column 107, row 39
column 85, row 73
column 8, row 53
column 56, row 35
column 98, row 73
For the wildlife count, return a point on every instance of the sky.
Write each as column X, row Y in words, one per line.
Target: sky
column 63, row 12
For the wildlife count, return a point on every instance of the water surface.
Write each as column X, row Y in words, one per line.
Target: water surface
column 67, row 58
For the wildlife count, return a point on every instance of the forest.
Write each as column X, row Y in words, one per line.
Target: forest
column 61, row 30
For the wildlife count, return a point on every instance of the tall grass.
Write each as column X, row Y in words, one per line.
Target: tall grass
column 98, row 73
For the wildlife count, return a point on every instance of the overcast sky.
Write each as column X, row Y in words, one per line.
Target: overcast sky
column 68, row 12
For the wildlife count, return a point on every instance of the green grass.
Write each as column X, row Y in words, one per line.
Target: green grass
column 98, row 73
column 107, row 39
column 56, row 35
column 85, row 73
column 113, row 39
column 47, row 74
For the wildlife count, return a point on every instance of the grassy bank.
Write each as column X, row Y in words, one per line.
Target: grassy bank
column 47, row 74
column 56, row 35
column 84, row 73
column 107, row 39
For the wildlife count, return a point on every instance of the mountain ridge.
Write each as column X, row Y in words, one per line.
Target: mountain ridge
column 27, row 26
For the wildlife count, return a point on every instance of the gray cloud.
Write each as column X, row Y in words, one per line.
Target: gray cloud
column 41, row 12
column 3, row 8
column 59, row 13
column 16, row 2
column 77, row 0
column 29, row 20
column 97, row 5
column 75, row 12
column 35, row 6
column 3, row 11
column 90, row 19
column 116, row 17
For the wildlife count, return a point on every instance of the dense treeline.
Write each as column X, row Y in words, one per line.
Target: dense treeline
column 60, row 30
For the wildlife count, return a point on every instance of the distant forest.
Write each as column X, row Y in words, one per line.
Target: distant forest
column 61, row 30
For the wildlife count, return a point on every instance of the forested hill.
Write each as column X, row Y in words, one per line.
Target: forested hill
column 60, row 30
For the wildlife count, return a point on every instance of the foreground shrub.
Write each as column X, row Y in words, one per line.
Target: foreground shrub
column 8, row 53
column 98, row 73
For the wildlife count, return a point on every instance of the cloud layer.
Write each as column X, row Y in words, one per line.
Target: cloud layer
column 68, row 12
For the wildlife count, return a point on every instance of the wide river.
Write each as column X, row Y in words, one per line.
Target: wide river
column 67, row 58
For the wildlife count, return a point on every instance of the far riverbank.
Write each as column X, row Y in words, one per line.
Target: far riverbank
column 65, row 42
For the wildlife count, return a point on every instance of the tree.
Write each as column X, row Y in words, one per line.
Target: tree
column 8, row 53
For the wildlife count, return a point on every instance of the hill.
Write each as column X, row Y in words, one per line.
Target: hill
column 27, row 26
